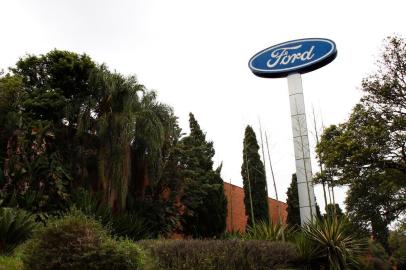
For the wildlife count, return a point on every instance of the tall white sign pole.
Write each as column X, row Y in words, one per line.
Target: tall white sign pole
column 301, row 148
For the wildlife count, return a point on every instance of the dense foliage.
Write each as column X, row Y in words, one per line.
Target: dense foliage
column 78, row 242
column 70, row 125
column 47, row 93
column 254, row 180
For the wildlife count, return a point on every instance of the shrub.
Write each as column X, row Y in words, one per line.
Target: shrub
column 78, row 242
column 374, row 263
column 16, row 226
column 128, row 224
column 397, row 244
column 220, row 254
column 376, row 257
column 159, row 217
column 92, row 205
column 335, row 244
column 10, row 263
column 118, row 255
column 268, row 231
column 131, row 225
column 308, row 251
column 232, row 235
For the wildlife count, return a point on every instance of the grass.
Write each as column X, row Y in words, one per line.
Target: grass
column 10, row 263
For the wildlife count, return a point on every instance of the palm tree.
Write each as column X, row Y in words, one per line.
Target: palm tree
column 113, row 122
column 135, row 134
column 156, row 132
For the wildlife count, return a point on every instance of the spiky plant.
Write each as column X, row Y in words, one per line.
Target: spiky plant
column 132, row 226
column 335, row 244
column 307, row 250
column 16, row 226
column 264, row 230
column 92, row 205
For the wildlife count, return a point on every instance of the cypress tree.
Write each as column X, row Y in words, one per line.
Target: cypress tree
column 204, row 199
column 293, row 218
column 254, row 180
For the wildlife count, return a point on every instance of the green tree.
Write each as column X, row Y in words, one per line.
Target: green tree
column 69, row 123
column 33, row 173
column 156, row 178
column 155, row 135
column 204, row 199
column 293, row 217
column 254, row 180
column 11, row 94
column 57, row 93
column 367, row 152
column 42, row 92
column 60, row 110
column 56, row 84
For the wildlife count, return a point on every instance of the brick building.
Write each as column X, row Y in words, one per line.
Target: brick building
column 236, row 218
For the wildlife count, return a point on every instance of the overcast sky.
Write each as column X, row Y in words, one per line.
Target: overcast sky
column 195, row 54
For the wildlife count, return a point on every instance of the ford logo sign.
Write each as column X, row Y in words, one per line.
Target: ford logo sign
column 296, row 56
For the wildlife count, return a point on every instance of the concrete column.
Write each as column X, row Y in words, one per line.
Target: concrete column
column 301, row 147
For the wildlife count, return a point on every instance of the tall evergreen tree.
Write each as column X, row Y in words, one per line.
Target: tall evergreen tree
column 254, row 180
column 204, row 199
column 293, row 218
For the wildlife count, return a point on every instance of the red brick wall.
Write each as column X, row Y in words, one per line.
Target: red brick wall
column 236, row 218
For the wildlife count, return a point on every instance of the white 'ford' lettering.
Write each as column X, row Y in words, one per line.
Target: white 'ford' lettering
column 282, row 56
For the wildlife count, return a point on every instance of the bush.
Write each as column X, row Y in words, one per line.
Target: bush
column 92, row 205
column 10, row 263
column 333, row 243
column 16, row 226
column 376, row 257
column 308, row 251
column 128, row 224
column 397, row 244
column 131, row 225
column 118, row 255
column 268, row 231
column 158, row 217
column 232, row 235
column 374, row 263
column 78, row 242
column 220, row 254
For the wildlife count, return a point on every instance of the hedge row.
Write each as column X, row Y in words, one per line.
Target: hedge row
column 76, row 241
column 220, row 254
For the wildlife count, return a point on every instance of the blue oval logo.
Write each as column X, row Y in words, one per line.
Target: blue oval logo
column 296, row 56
